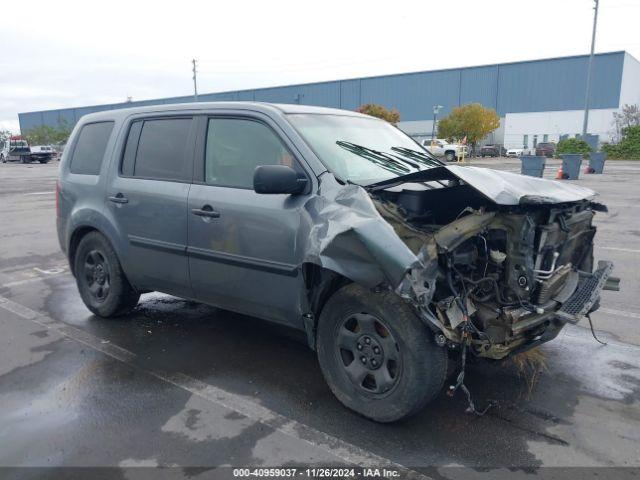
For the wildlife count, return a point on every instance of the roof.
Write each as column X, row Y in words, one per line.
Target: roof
column 209, row 106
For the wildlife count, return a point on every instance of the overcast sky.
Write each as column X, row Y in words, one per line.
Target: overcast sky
column 61, row 53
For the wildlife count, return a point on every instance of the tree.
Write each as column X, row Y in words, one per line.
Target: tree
column 4, row 135
column 41, row 135
column 629, row 146
column 46, row 134
column 629, row 116
column 472, row 121
column 573, row 145
column 391, row 116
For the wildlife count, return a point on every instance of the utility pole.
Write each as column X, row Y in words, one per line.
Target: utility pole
column 195, row 84
column 436, row 109
column 589, row 69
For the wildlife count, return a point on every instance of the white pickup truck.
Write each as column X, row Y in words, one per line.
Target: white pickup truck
column 442, row 148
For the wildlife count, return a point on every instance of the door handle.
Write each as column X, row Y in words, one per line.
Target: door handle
column 206, row 212
column 119, row 198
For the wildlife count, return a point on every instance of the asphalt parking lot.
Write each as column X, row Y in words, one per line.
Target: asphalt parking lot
column 182, row 384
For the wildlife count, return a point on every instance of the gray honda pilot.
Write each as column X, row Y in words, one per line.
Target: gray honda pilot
column 334, row 223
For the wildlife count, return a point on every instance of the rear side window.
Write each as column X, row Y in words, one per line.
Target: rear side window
column 157, row 149
column 235, row 147
column 90, row 148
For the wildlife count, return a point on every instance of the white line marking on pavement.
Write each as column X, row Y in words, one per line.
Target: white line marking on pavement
column 41, row 193
column 620, row 313
column 50, row 271
column 345, row 451
column 29, row 280
column 630, row 250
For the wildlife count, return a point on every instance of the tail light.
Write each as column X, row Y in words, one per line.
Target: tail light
column 57, row 198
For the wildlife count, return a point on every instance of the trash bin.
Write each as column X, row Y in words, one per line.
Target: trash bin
column 596, row 162
column 532, row 165
column 571, row 163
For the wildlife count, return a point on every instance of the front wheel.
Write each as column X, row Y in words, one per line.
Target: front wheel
column 376, row 355
column 450, row 156
column 103, row 285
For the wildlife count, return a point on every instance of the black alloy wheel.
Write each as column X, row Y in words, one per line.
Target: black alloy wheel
column 368, row 353
column 96, row 275
column 377, row 356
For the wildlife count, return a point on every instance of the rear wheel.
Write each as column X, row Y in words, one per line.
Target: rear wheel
column 102, row 284
column 450, row 156
column 378, row 358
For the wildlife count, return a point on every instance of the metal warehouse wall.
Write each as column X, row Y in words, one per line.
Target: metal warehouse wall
column 533, row 86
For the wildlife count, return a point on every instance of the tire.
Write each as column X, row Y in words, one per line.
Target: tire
column 2, row 159
column 24, row 160
column 450, row 156
column 407, row 368
column 101, row 282
column 43, row 161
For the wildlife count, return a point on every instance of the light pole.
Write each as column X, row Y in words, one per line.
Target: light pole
column 436, row 110
column 589, row 68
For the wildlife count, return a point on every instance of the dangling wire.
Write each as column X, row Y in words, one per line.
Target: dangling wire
column 471, row 408
column 588, row 315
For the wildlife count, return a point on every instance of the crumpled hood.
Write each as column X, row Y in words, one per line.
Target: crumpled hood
column 506, row 188
column 503, row 188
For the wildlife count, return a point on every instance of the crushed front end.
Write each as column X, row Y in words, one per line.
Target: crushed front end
column 497, row 274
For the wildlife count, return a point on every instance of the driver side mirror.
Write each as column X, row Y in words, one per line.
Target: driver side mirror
column 271, row 179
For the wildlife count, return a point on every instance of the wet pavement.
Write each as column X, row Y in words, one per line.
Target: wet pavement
column 178, row 383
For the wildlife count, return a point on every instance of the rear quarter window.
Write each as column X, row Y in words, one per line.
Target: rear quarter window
column 90, row 148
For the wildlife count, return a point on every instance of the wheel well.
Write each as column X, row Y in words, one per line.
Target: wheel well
column 320, row 283
column 77, row 235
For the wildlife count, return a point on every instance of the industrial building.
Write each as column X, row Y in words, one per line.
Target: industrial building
column 539, row 100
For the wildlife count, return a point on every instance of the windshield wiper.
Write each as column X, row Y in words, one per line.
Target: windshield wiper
column 388, row 162
column 422, row 157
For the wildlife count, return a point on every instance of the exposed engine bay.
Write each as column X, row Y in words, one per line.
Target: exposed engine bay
column 498, row 278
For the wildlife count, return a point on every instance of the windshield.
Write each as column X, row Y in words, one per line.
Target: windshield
column 359, row 149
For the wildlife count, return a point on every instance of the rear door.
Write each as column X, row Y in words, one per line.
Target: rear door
column 245, row 249
column 147, row 199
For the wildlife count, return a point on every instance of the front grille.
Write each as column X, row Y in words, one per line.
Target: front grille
column 586, row 294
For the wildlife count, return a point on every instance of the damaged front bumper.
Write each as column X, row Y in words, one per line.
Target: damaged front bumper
column 534, row 328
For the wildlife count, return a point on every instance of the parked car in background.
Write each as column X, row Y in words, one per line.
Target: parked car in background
column 333, row 223
column 15, row 149
column 492, row 151
column 42, row 153
column 442, row 148
column 515, row 152
column 546, row 149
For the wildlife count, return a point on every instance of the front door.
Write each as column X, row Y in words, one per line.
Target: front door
column 245, row 248
column 147, row 199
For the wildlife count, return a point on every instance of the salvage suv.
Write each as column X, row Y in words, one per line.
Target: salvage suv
column 333, row 223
